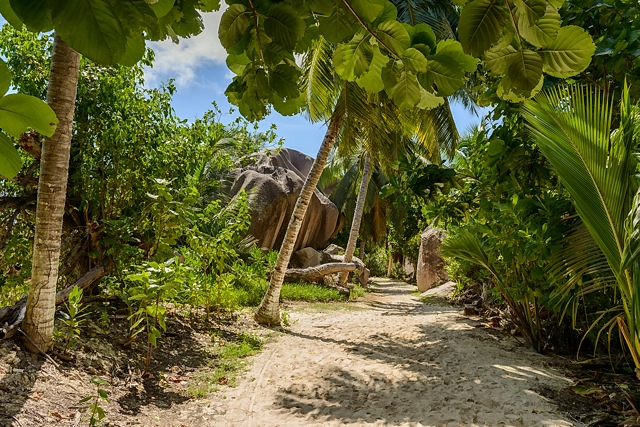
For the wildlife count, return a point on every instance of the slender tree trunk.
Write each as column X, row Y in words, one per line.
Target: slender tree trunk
column 357, row 216
column 52, row 191
column 362, row 247
column 268, row 312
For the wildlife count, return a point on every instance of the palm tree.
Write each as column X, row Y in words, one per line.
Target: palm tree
column 52, row 191
column 597, row 165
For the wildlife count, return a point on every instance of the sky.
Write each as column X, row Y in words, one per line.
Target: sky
column 201, row 76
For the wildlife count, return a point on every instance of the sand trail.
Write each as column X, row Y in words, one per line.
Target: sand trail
column 392, row 360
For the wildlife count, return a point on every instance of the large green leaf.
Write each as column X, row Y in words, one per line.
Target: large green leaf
column 526, row 70
column 480, row 26
column 161, row 7
column 10, row 161
column 368, row 10
column 539, row 31
column 283, row 80
column 453, row 49
column 406, row 90
column 501, row 56
column 351, row 60
column 423, row 34
column 444, row 72
column 19, row 112
column 338, row 26
column 394, row 36
column 134, row 51
column 234, row 24
column 569, row 54
column 414, row 60
column 91, row 28
column 284, row 25
column 429, row 101
column 35, row 14
column 5, row 77
column 7, row 13
column 371, row 81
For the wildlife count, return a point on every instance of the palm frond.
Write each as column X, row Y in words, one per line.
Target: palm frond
column 319, row 81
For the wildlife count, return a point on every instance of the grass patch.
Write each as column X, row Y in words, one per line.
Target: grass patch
column 228, row 362
column 302, row 291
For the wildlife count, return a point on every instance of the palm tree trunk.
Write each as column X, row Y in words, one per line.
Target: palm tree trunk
column 52, row 191
column 268, row 312
column 357, row 216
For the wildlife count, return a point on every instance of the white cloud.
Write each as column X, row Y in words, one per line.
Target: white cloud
column 181, row 61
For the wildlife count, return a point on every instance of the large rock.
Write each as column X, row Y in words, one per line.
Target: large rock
column 273, row 182
column 430, row 271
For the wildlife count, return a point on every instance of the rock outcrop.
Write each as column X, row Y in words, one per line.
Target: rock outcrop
column 430, row 272
column 273, row 182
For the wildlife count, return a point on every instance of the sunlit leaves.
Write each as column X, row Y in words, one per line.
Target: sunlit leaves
column 351, row 60
column 525, row 70
column 414, row 60
column 394, row 36
column 10, row 162
column 538, row 30
column 569, row 54
column 368, row 10
column 20, row 112
column 481, row 24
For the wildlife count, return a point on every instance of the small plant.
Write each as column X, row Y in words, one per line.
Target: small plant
column 95, row 407
column 72, row 319
column 154, row 283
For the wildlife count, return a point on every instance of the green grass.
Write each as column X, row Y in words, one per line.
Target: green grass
column 302, row 291
column 229, row 361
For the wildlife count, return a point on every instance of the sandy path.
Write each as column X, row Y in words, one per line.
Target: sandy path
column 393, row 361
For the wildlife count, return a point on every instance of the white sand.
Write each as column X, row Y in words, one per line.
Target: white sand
column 394, row 361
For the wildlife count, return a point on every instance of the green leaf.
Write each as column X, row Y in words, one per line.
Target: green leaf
column 35, row 14
column 234, row 24
column 406, row 90
column 134, row 51
column 539, row 31
column 237, row 63
column 161, row 7
column 290, row 106
column 525, row 71
column 5, row 77
column 10, row 161
column 414, row 60
column 536, row 8
column 480, row 26
column 91, row 28
column 569, row 54
column 501, row 56
column 351, row 60
column 368, row 10
column 338, row 26
column 372, row 81
column 453, row 49
column 423, row 34
column 394, row 36
column 496, row 147
column 19, row 112
column 283, row 25
column 7, row 12
column 444, row 73
column 429, row 101
column 284, row 81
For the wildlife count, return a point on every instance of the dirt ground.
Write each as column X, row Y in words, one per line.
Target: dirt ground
column 390, row 359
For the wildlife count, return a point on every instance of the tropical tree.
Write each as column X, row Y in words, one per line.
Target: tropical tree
column 597, row 164
column 106, row 32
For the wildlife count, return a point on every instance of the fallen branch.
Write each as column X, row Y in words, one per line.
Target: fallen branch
column 319, row 273
column 11, row 317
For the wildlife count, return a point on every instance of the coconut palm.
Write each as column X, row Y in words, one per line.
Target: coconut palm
column 52, row 191
column 573, row 126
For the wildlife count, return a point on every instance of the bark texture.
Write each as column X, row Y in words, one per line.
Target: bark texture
column 268, row 312
column 52, row 190
column 357, row 216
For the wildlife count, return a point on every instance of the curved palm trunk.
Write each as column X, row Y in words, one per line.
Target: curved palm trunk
column 52, row 191
column 268, row 312
column 357, row 216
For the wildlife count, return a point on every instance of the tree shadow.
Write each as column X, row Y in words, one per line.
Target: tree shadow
column 18, row 375
column 427, row 377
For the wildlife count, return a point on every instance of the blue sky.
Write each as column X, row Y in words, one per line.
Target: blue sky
column 201, row 77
